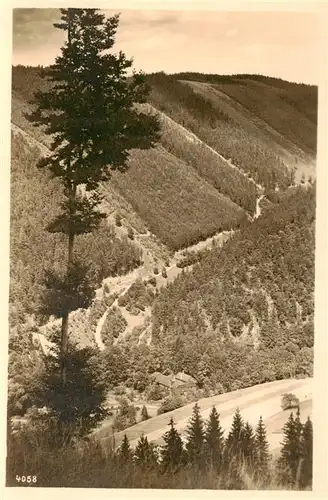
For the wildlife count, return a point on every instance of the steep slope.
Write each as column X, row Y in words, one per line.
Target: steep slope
column 255, row 292
column 218, row 166
column 266, row 130
column 220, row 151
column 33, row 249
column 183, row 216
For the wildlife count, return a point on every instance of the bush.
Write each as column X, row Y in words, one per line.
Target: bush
column 122, row 301
column 155, row 392
column 152, row 281
column 120, row 390
column 144, row 413
column 126, row 415
column 170, row 403
column 164, row 273
column 130, row 233
column 289, row 401
column 156, row 271
column 118, row 220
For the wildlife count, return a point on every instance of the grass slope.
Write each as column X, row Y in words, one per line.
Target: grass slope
column 263, row 399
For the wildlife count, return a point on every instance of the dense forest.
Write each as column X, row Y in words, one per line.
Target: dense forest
column 207, row 166
column 34, row 250
column 237, row 300
column 202, row 109
column 255, row 292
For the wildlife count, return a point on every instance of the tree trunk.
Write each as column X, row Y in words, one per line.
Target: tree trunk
column 64, row 327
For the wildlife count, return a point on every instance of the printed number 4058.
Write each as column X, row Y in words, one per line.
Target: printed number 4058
column 26, row 479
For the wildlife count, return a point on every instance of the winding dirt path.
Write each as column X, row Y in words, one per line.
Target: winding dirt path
column 121, row 284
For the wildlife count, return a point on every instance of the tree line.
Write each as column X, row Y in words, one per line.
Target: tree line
column 201, row 458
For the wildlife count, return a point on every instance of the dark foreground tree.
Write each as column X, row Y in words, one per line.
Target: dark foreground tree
column 290, row 455
column 262, row 450
column 234, row 442
column 306, row 470
column 172, row 452
column 89, row 110
column 196, row 439
column 124, row 454
column 233, row 452
column 79, row 406
column 248, row 447
column 214, row 441
column 145, row 456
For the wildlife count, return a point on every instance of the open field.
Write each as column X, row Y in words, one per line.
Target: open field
column 260, row 400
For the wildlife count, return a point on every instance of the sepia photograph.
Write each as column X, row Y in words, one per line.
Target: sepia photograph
column 162, row 248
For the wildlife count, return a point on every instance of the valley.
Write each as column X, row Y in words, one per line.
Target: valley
column 206, row 238
column 162, row 252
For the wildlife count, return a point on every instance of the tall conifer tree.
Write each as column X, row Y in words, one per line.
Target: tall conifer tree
column 262, row 450
column 89, row 110
column 124, row 454
column 306, row 471
column 214, row 441
column 144, row 454
column 172, row 452
column 196, row 438
column 290, row 454
column 248, row 446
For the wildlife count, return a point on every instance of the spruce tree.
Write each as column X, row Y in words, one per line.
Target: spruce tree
column 248, row 447
column 306, row 471
column 214, row 441
column 144, row 413
column 262, row 450
column 196, row 439
column 233, row 447
column 290, row 454
column 172, row 452
column 124, row 453
column 89, row 110
column 144, row 454
column 79, row 406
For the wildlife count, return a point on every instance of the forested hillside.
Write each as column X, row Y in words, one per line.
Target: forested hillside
column 250, row 299
column 266, row 126
column 239, row 143
column 35, row 200
column 251, row 302
column 162, row 245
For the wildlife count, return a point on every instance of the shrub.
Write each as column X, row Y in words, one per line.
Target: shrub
column 130, row 233
column 120, row 390
column 152, row 281
column 126, row 415
column 118, row 220
column 144, row 413
column 289, row 401
column 156, row 271
column 122, row 301
column 170, row 403
column 164, row 273
column 155, row 392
